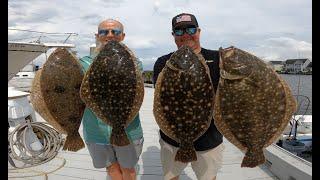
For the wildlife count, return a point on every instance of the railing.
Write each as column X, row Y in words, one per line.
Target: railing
column 38, row 36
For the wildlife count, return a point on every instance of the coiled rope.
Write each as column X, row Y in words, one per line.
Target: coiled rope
column 50, row 138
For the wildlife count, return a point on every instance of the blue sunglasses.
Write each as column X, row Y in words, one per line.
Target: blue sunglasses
column 104, row 32
column 189, row 30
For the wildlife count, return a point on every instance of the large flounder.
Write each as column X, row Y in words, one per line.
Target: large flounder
column 253, row 104
column 183, row 100
column 113, row 89
column 55, row 95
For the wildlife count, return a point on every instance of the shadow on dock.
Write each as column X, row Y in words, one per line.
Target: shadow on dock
column 152, row 167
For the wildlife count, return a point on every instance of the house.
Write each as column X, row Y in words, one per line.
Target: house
column 277, row 65
column 309, row 67
column 296, row 65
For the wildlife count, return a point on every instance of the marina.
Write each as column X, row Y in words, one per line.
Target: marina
column 259, row 63
column 280, row 164
column 79, row 165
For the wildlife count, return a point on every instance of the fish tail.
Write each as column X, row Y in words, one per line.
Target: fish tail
column 73, row 142
column 186, row 154
column 119, row 137
column 253, row 158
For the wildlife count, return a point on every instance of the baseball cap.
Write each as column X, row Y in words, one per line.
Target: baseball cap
column 184, row 20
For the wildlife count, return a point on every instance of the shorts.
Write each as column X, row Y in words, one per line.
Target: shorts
column 206, row 167
column 104, row 155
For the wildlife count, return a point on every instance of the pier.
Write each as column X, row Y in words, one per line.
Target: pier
column 78, row 165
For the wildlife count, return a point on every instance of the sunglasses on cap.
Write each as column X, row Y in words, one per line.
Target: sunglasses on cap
column 188, row 30
column 104, row 32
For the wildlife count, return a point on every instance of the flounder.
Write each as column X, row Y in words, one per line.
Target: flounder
column 253, row 104
column 113, row 89
column 55, row 95
column 183, row 100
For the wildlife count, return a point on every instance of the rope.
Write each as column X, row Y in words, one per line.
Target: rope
column 51, row 139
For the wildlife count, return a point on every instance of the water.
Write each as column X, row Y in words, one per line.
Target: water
column 305, row 89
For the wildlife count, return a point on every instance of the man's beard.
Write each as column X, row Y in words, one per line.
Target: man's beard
column 188, row 43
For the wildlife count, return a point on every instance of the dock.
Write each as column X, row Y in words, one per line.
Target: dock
column 78, row 165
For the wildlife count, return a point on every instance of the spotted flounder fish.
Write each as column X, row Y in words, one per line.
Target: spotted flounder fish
column 113, row 89
column 253, row 104
column 183, row 100
column 55, row 95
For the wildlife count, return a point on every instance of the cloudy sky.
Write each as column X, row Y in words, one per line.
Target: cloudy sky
column 270, row 29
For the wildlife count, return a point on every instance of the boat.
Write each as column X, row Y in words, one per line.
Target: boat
column 21, row 53
column 23, row 79
column 21, row 115
column 297, row 136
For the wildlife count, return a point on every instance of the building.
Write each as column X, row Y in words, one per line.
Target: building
column 92, row 48
column 309, row 67
column 277, row 65
column 296, row 65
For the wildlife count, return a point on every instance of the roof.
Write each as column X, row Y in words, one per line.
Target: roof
column 310, row 64
column 292, row 61
column 276, row 62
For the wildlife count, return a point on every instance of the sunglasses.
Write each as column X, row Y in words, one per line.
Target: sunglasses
column 104, row 32
column 189, row 30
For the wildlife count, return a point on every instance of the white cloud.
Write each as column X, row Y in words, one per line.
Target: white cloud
column 140, row 42
column 272, row 29
column 148, row 62
column 282, row 48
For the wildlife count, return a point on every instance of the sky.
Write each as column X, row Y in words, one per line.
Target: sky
column 270, row 29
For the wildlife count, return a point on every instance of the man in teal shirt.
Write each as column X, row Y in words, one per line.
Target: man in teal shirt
column 119, row 161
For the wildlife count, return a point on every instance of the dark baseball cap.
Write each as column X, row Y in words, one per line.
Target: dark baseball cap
column 184, row 20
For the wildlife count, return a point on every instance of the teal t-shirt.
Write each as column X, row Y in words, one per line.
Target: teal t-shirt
column 95, row 130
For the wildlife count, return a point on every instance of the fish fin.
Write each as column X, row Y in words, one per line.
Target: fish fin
column 225, row 75
column 119, row 137
column 252, row 83
column 253, row 158
column 73, row 142
column 186, row 155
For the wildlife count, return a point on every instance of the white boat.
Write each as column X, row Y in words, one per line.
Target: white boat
column 21, row 53
column 23, row 79
column 21, row 72
column 297, row 137
column 21, row 69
